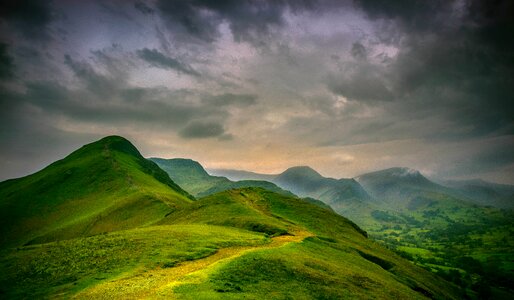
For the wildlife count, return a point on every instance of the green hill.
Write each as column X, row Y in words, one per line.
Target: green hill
column 190, row 175
column 104, row 186
column 116, row 226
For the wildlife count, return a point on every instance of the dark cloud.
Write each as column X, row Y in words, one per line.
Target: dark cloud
column 159, row 60
column 359, row 51
column 361, row 81
column 489, row 157
column 6, row 63
column 30, row 17
column 249, row 21
column 97, row 83
column 143, row 7
column 201, row 129
column 230, row 99
column 455, row 61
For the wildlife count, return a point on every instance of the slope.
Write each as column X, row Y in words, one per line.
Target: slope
column 312, row 253
column 103, row 186
column 190, row 175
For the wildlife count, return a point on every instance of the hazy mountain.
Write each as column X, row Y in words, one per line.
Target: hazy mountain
column 402, row 187
column 103, row 186
column 236, row 175
column 484, row 193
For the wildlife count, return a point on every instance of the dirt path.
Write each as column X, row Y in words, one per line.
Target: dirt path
column 160, row 282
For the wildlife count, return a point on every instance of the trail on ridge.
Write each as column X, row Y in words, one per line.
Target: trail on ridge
column 160, row 282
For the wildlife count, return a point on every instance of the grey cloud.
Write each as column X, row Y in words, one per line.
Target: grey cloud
column 99, row 84
column 489, row 157
column 249, row 21
column 143, row 7
column 455, row 64
column 6, row 63
column 30, row 17
column 359, row 51
column 360, row 81
column 159, row 60
column 230, row 99
column 200, row 129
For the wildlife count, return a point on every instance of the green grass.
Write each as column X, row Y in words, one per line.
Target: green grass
column 313, row 269
column 72, row 265
column 104, row 186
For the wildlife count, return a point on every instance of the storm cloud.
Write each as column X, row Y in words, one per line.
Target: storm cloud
column 344, row 86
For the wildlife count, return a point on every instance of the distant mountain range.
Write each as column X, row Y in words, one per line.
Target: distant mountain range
column 437, row 225
column 380, row 185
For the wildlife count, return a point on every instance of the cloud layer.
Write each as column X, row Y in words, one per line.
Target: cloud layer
column 344, row 86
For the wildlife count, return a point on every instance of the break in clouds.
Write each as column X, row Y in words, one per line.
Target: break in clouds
column 343, row 86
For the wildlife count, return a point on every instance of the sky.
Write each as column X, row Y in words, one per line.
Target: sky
column 346, row 87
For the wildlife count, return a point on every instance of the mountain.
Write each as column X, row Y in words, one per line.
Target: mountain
column 103, row 186
column 436, row 226
column 484, row 193
column 305, row 181
column 399, row 187
column 237, row 175
column 106, row 223
column 439, row 227
column 192, row 176
column 345, row 196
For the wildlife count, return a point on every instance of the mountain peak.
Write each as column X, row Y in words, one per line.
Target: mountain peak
column 404, row 172
column 112, row 142
column 304, row 171
column 396, row 172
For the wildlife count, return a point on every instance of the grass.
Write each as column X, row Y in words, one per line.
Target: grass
column 321, row 255
column 102, row 187
column 65, row 267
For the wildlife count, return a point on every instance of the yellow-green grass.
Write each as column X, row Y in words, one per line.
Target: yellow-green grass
column 65, row 267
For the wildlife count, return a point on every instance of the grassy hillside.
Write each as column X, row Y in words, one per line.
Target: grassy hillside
column 104, row 186
column 190, row 175
column 263, row 245
column 436, row 226
column 106, row 223
column 66, row 267
column 335, row 260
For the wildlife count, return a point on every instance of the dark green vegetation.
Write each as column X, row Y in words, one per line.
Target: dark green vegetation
column 117, row 226
column 437, row 227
